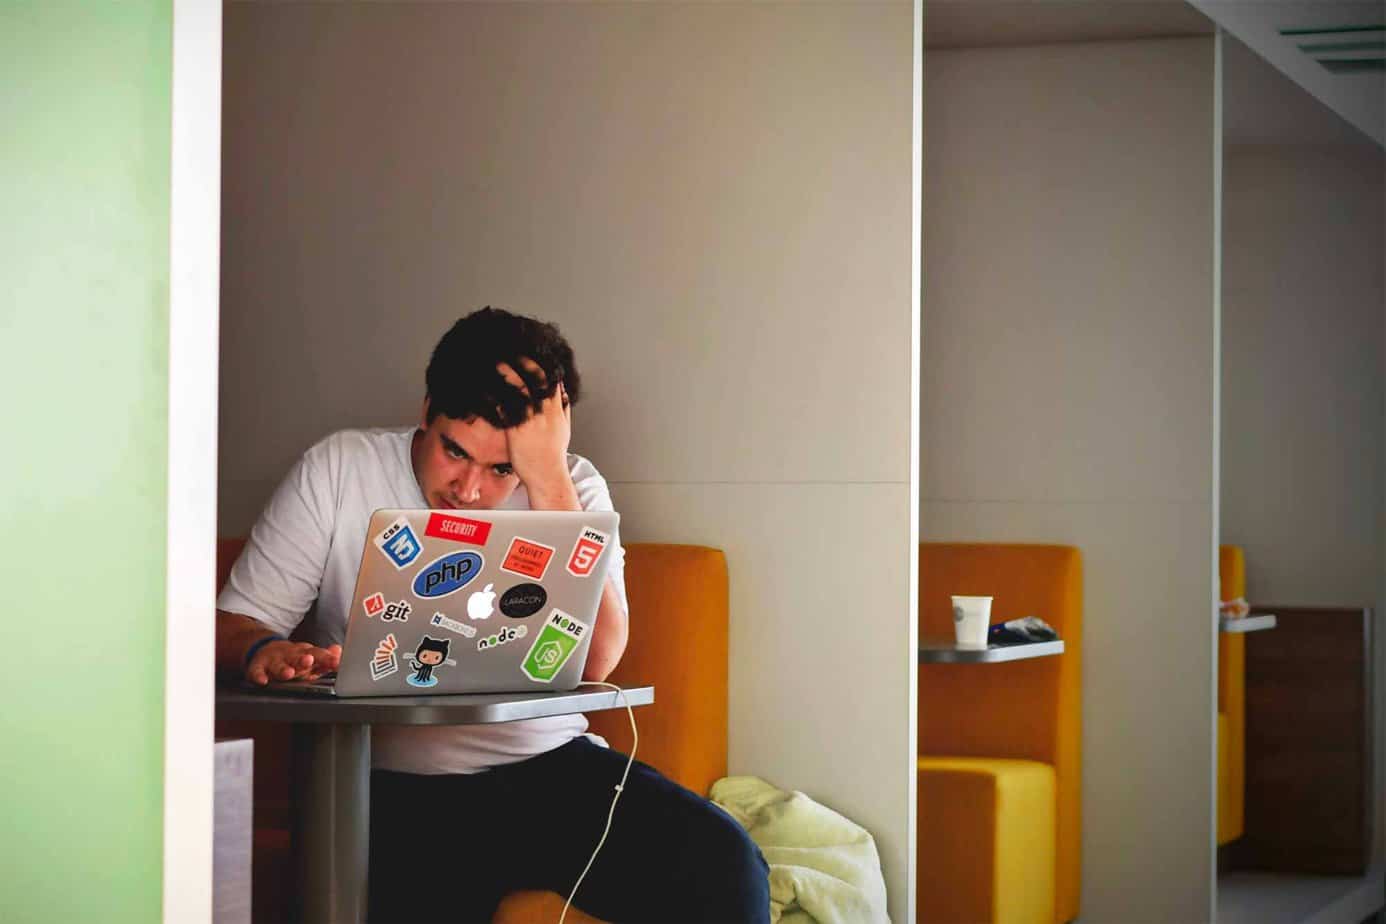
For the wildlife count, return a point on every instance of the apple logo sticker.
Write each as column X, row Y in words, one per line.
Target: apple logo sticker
column 480, row 603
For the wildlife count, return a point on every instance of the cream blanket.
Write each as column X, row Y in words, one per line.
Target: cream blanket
column 824, row 869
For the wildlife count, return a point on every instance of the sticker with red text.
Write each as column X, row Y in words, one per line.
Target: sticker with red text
column 458, row 529
column 527, row 558
column 590, row 544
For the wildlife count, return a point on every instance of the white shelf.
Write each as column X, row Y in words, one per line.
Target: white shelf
column 1247, row 623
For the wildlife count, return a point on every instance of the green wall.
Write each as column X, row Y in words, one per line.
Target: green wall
column 84, row 202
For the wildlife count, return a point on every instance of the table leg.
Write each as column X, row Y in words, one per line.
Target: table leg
column 332, row 788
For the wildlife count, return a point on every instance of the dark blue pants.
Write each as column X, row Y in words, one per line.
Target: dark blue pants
column 448, row 848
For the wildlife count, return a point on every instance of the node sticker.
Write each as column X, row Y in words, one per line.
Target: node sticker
column 458, row 529
column 527, row 558
column 399, row 544
column 508, row 634
column 452, row 625
column 588, row 549
column 553, row 646
column 384, row 663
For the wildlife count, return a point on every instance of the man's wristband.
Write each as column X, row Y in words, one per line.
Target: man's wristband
column 256, row 646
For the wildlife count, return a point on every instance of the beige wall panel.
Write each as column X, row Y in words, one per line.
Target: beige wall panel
column 819, row 637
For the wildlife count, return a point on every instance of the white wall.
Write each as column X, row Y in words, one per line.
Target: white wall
column 714, row 203
column 1067, row 395
column 1304, row 375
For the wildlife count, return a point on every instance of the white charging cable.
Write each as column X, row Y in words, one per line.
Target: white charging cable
column 620, row 787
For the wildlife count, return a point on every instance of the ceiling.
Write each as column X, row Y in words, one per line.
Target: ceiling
column 980, row 23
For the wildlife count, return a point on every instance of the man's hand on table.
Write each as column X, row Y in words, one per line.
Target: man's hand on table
column 283, row 661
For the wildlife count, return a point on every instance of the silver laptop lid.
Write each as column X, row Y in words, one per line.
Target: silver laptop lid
column 477, row 601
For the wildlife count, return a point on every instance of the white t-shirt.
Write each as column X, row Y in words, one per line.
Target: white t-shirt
column 306, row 547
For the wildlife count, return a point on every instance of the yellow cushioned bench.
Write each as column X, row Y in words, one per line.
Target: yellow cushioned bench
column 1231, row 704
column 1000, row 745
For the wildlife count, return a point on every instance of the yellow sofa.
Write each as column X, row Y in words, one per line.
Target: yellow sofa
column 1000, row 745
column 672, row 589
column 1231, row 704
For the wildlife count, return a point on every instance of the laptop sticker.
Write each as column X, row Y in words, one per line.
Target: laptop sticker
column 588, row 549
column 431, row 653
column 553, row 646
column 457, row 529
column 527, row 558
column 481, row 603
column 448, row 574
column 399, row 544
column 523, row 600
column 384, row 663
column 374, row 604
column 452, row 625
column 508, row 634
column 396, row 611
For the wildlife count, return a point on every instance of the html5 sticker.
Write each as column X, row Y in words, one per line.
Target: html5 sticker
column 458, row 529
column 589, row 548
column 527, row 558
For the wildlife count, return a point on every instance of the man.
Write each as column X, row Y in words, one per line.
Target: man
column 462, row 815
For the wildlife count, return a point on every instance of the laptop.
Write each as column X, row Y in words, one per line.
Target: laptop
column 485, row 601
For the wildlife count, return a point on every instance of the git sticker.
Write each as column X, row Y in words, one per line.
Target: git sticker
column 527, row 558
column 553, row 646
column 374, row 604
column 385, row 661
column 588, row 549
column 399, row 544
column 452, row 625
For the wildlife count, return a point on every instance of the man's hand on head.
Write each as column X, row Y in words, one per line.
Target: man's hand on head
column 539, row 446
column 282, row 661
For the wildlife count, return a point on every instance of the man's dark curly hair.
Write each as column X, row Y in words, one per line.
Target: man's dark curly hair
column 462, row 381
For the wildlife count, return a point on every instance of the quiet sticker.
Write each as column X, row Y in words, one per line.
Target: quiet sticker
column 553, row 646
column 458, row 529
column 452, row 625
column 588, row 549
column 527, row 559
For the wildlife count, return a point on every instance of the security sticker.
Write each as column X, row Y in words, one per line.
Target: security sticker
column 523, row 600
column 399, row 543
column 527, row 558
column 452, row 625
column 384, row 663
column 553, row 646
column 458, row 529
column 508, row 634
column 374, row 604
column 447, row 574
column 431, row 653
column 588, row 549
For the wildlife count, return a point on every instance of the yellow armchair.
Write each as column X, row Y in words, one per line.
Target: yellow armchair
column 1000, row 745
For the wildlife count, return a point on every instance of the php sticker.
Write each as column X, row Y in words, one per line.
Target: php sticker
column 399, row 543
column 448, row 574
column 527, row 558
column 452, row 625
column 385, row 663
column 523, row 600
column 508, row 634
column 553, row 646
column 588, row 549
column 374, row 604
column 458, row 529
column 431, row 653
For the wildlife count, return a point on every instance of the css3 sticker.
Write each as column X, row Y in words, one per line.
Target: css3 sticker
column 399, row 543
column 553, row 646
column 447, row 575
column 523, row 600
column 588, row 549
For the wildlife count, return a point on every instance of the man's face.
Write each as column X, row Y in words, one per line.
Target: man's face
column 463, row 464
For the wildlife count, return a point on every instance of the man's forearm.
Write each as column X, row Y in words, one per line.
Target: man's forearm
column 608, row 637
column 235, row 635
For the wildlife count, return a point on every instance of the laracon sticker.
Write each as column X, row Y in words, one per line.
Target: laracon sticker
column 399, row 543
column 553, row 646
column 452, row 625
column 431, row 653
column 523, row 600
column 374, row 604
column 527, row 558
column 481, row 603
column 458, row 529
column 385, row 663
column 448, row 574
column 588, row 549
column 508, row 634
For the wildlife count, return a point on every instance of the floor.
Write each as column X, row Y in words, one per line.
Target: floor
column 1268, row 898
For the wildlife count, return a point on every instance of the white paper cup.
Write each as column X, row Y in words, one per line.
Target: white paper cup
column 971, row 619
